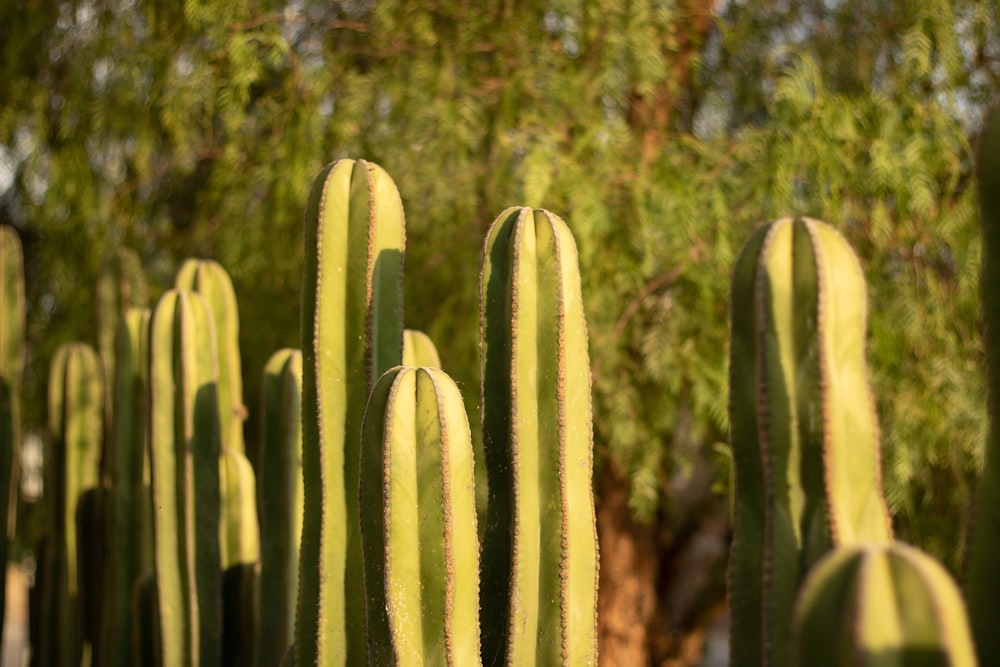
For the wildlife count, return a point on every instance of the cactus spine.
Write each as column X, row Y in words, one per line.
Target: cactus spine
column 419, row 350
column 352, row 332
column 804, row 432
column 880, row 604
column 418, row 522
column 982, row 576
column 11, row 369
column 540, row 553
column 72, row 467
column 280, row 503
column 184, row 446
column 130, row 551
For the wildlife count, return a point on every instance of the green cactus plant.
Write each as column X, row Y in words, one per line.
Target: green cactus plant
column 72, row 467
column 184, row 458
column 11, row 369
column 539, row 582
column 209, row 279
column 280, row 502
column 804, row 433
column 880, row 604
column 982, row 576
column 419, row 350
column 239, row 540
column 418, row 522
column 121, row 285
column 352, row 332
column 129, row 512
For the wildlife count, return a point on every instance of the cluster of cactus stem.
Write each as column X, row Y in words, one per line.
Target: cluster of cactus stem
column 356, row 540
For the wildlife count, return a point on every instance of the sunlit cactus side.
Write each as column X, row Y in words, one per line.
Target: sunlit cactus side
column 982, row 574
column 121, row 284
column 885, row 604
column 130, row 553
column 280, row 492
column 72, row 466
column 419, row 350
column 804, row 433
column 418, row 522
column 352, row 332
column 184, row 458
column 539, row 569
column 239, row 548
column 209, row 279
column 11, row 370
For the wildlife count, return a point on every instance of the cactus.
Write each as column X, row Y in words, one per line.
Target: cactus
column 130, row 553
column 352, row 332
column 418, row 522
column 982, row 576
column 804, row 431
column 280, row 502
column 184, row 458
column 419, row 350
column 11, row 368
column 239, row 540
column 72, row 467
column 120, row 285
column 539, row 582
column 870, row 604
column 210, row 280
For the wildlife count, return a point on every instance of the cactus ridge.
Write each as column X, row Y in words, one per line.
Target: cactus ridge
column 352, row 332
column 537, row 436
column 804, row 432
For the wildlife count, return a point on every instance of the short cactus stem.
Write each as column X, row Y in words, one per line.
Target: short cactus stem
column 418, row 522
column 870, row 604
column 539, row 570
column 419, row 350
column 804, row 432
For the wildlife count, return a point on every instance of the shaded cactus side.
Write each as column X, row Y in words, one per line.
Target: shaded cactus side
column 539, row 570
column 72, row 467
column 184, row 458
column 982, row 576
column 11, row 370
column 804, row 433
column 280, row 502
column 352, row 331
column 418, row 522
column 880, row 604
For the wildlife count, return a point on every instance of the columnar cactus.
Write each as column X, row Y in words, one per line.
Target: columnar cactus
column 280, row 502
column 352, row 332
column 539, row 582
column 419, row 350
column 239, row 541
column 982, row 583
column 72, row 467
column 11, row 368
column 804, row 433
column 209, row 279
column 880, row 604
column 184, row 446
column 120, row 285
column 418, row 522
column 130, row 552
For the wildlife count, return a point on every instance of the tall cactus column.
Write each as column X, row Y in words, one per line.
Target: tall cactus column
column 352, row 332
column 804, row 432
column 539, row 581
column 11, row 368
column 184, row 446
column 418, row 522
column 982, row 584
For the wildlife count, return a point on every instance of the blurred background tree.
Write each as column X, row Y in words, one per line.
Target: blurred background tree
column 661, row 130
